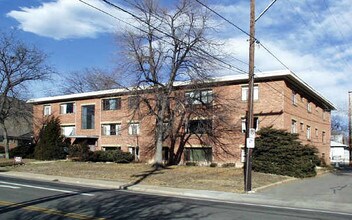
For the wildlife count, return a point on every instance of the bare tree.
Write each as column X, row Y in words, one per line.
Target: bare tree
column 88, row 80
column 170, row 46
column 19, row 64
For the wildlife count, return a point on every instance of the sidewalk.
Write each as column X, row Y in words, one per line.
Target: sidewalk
column 265, row 198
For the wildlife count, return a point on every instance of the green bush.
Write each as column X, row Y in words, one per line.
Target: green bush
column 24, row 151
column 79, row 152
column 280, row 152
column 116, row 156
column 229, row 165
column 190, row 163
column 213, row 165
column 2, row 150
column 51, row 145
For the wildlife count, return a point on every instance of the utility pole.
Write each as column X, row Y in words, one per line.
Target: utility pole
column 350, row 124
column 250, row 115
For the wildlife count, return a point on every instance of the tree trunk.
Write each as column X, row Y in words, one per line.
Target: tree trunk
column 6, row 140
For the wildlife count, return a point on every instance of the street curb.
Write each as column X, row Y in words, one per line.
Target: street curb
column 274, row 184
column 214, row 196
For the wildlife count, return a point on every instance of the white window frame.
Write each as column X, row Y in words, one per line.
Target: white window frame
column 106, row 129
column 308, row 132
column 293, row 126
column 134, row 128
column 63, row 108
column 47, row 110
column 68, row 130
column 244, row 90
column 309, row 107
column 244, row 123
column 294, row 98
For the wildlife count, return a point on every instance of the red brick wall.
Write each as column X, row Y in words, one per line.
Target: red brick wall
column 273, row 108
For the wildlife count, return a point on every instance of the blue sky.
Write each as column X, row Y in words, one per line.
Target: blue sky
column 311, row 37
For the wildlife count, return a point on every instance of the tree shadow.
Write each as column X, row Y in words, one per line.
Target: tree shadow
column 108, row 204
column 156, row 170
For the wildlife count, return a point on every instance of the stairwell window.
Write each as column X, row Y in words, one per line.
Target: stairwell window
column 245, row 93
column 88, row 116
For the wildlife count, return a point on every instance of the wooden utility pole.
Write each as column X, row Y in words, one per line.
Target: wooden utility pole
column 350, row 124
column 250, row 115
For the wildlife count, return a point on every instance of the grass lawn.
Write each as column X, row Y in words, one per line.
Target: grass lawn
column 191, row 177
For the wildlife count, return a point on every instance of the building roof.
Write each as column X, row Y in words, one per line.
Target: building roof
column 263, row 76
column 337, row 144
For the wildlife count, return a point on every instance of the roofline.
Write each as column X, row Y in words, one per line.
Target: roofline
column 230, row 78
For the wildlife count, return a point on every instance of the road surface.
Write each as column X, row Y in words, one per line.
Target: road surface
column 28, row 199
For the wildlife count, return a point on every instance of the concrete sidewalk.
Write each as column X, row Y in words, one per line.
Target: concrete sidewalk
column 264, row 198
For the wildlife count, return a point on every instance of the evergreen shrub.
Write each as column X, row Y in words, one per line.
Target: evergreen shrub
column 51, row 144
column 280, row 152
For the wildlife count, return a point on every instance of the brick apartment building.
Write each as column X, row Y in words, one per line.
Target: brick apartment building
column 281, row 100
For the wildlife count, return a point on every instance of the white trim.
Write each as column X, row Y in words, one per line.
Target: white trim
column 110, row 122
column 229, row 78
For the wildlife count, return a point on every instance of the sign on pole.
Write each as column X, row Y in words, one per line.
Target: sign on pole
column 251, row 133
column 250, row 142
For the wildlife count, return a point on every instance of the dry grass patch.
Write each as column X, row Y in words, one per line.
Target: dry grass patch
column 191, row 177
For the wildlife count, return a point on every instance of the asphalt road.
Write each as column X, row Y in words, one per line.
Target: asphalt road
column 28, row 199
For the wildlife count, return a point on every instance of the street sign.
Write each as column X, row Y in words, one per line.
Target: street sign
column 250, row 142
column 251, row 133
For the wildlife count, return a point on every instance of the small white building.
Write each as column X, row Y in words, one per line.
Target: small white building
column 339, row 153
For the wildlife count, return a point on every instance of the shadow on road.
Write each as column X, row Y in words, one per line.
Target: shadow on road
column 343, row 171
column 109, row 204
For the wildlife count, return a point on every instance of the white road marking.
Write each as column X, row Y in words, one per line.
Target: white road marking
column 11, row 187
column 46, row 188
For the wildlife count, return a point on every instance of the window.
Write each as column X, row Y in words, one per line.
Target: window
column 294, row 98
column 111, row 129
column 134, row 151
column 244, row 124
column 133, row 129
column 198, row 154
column 323, row 137
column 133, row 102
column 111, row 104
column 47, row 109
column 108, row 148
column 308, row 132
column 88, row 113
column 67, row 108
column 302, row 126
column 68, row 130
column 245, row 93
column 166, row 154
column 202, row 126
column 199, row 97
column 309, row 107
column 293, row 127
column 316, row 132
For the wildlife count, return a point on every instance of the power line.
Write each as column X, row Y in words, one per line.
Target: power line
column 237, row 27
column 228, row 66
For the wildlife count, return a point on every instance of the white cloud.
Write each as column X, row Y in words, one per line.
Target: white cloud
column 63, row 19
